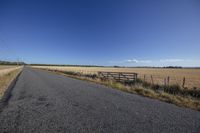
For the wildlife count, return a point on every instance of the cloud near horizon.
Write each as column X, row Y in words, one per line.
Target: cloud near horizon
column 131, row 61
column 138, row 61
column 172, row 60
column 160, row 62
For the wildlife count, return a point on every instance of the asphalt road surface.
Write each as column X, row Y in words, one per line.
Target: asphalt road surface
column 43, row 102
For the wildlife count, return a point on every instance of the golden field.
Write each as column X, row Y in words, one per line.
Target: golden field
column 192, row 76
column 7, row 74
column 6, row 69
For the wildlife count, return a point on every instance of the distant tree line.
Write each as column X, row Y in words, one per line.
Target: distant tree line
column 65, row 65
column 175, row 67
column 23, row 63
column 178, row 67
column 167, row 67
column 11, row 63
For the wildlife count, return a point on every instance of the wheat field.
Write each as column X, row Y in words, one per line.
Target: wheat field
column 7, row 74
column 6, row 69
column 192, row 76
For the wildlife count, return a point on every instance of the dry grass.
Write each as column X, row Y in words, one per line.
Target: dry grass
column 6, row 66
column 6, row 79
column 159, row 74
column 6, row 69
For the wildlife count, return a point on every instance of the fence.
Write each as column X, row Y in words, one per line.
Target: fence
column 161, row 80
column 119, row 76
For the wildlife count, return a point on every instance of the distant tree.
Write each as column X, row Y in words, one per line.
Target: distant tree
column 175, row 67
column 11, row 63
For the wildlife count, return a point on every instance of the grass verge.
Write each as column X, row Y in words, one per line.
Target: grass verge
column 6, row 79
column 139, row 88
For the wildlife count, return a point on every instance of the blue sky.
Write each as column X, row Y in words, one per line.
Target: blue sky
column 101, row 32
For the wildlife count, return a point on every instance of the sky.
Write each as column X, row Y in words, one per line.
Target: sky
column 101, row 32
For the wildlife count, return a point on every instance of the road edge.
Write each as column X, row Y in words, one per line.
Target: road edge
column 5, row 98
column 165, row 100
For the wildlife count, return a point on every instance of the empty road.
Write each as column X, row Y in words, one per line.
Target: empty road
column 44, row 102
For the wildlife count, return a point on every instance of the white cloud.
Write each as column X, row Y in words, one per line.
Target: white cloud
column 158, row 62
column 137, row 61
column 172, row 60
column 131, row 61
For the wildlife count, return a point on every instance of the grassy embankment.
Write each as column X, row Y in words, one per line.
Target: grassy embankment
column 6, row 79
column 171, row 94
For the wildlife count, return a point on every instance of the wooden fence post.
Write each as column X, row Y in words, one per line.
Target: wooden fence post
column 144, row 78
column 183, row 85
column 168, row 80
column 165, row 83
column 152, row 80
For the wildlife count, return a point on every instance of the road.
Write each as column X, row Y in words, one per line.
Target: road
column 43, row 102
